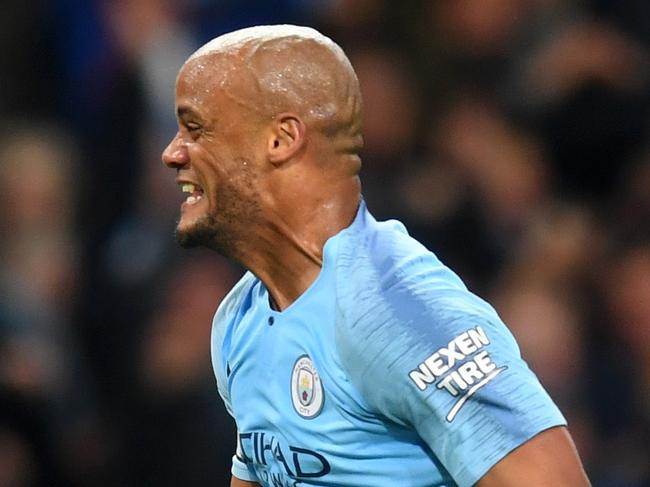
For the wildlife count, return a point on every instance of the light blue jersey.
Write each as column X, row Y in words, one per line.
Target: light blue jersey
column 387, row 371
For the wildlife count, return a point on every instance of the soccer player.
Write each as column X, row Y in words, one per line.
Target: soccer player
column 349, row 355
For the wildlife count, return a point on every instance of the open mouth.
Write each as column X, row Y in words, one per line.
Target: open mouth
column 195, row 193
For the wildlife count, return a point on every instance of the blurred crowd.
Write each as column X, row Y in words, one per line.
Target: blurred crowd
column 510, row 136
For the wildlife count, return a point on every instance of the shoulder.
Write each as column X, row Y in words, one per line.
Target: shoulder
column 235, row 298
column 385, row 274
column 427, row 353
column 397, row 301
column 224, row 319
column 230, row 308
column 387, row 257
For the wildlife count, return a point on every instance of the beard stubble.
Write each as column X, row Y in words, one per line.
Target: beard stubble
column 225, row 227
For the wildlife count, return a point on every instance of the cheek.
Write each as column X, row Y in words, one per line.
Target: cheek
column 223, row 167
column 206, row 163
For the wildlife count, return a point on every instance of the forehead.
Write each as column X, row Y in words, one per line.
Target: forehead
column 221, row 84
column 202, row 77
column 220, row 78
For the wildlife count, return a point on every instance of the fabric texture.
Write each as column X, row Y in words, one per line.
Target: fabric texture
column 386, row 371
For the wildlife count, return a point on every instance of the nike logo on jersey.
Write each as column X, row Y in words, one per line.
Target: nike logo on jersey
column 461, row 368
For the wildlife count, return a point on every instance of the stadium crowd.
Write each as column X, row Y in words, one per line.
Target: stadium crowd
column 510, row 136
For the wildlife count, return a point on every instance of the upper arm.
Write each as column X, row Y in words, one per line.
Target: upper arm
column 549, row 459
column 427, row 354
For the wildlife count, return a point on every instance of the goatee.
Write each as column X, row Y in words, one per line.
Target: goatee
column 205, row 232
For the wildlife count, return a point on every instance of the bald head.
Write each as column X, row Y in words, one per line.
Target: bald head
column 285, row 68
column 269, row 132
column 265, row 33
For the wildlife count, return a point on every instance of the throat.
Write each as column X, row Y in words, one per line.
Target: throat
column 283, row 294
column 287, row 272
column 286, row 252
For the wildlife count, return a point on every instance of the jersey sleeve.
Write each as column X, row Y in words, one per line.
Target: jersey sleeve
column 429, row 355
column 241, row 469
column 221, row 327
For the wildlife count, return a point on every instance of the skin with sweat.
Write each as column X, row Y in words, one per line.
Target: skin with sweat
column 274, row 150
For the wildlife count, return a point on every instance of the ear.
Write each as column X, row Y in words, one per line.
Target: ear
column 287, row 137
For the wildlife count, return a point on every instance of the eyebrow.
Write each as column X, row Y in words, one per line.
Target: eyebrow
column 184, row 111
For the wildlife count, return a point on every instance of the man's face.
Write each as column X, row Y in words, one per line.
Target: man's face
column 216, row 155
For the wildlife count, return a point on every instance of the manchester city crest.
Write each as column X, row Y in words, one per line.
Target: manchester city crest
column 306, row 388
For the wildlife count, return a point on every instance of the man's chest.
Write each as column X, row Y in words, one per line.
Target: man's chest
column 297, row 413
column 301, row 420
column 284, row 373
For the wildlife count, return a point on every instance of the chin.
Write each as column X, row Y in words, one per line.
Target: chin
column 204, row 232
column 195, row 234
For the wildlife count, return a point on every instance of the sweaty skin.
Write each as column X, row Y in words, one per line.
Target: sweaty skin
column 270, row 129
column 269, row 134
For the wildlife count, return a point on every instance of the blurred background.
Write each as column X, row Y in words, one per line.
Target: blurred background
column 511, row 136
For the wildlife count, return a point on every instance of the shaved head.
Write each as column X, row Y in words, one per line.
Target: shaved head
column 268, row 143
column 264, row 33
column 285, row 68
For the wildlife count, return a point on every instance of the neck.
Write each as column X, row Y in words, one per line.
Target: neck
column 286, row 252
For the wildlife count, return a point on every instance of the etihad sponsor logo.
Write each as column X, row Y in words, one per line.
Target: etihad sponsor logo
column 461, row 368
column 280, row 465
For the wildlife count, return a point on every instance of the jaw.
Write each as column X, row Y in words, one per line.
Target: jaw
column 194, row 232
column 191, row 215
column 224, row 218
column 200, row 225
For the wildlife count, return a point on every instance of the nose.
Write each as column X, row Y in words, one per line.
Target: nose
column 175, row 154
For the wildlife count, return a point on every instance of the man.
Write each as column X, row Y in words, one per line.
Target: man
column 348, row 354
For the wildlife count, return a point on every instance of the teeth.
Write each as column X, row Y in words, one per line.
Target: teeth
column 187, row 188
column 192, row 200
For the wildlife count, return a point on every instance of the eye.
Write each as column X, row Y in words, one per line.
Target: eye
column 193, row 129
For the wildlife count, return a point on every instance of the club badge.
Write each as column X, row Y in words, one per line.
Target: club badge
column 306, row 388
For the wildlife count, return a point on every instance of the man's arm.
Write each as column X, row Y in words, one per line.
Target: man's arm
column 235, row 482
column 549, row 459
